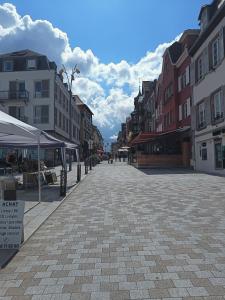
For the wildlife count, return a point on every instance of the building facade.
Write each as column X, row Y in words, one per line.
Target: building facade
column 208, row 80
column 32, row 91
column 86, row 138
column 98, row 142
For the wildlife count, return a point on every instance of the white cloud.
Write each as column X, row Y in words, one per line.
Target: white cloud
column 113, row 137
column 101, row 85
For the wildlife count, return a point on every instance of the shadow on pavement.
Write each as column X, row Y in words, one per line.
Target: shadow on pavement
column 165, row 171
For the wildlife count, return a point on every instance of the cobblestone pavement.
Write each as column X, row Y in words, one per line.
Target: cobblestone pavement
column 127, row 234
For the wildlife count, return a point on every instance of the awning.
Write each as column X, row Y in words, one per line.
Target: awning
column 143, row 137
column 15, row 133
column 146, row 137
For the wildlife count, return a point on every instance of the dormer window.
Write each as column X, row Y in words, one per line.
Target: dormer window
column 31, row 64
column 204, row 19
column 8, row 66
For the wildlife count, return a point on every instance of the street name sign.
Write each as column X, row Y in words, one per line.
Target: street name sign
column 11, row 223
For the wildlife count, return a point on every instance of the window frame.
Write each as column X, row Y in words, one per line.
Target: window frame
column 35, row 63
column 217, row 116
column 40, row 119
column 5, row 63
column 202, row 124
column 216, row 41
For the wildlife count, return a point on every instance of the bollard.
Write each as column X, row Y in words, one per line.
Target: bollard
column 86, row 167
column 90, row 163
column 78, row 173
column 63, row 182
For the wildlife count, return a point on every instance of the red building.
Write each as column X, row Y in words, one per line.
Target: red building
column 172, row 140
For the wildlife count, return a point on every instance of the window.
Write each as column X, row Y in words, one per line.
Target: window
column 8, row 66
column 203, row 151
column 185, row 110
column 204, row 19
column 31, row 64
column 17, row 112
column 168, row 92
column 215, row 52
column 201, row 115
column 41, row 89
column 217, row 111
column 200, row 67
column 183, row 80
column 41, row 114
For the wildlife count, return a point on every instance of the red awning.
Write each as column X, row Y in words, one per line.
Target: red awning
column 143, row 137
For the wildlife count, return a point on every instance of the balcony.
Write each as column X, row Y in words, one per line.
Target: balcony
column 14, row 96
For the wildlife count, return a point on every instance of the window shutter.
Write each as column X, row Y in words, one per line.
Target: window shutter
column 210, row 56
column 188, row 106
column 179, row 83
column 187, row 75
column 180, row 112
column 221, row 44
column 192, row 73
column 193, row 117
column 206, row 61
column 208, row 112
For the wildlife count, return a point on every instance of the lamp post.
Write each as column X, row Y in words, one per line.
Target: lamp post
column 70, row 79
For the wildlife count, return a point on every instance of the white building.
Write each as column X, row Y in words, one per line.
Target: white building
column 32, row 91
column 208, row 80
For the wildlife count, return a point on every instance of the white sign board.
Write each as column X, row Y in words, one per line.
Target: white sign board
column 11, row 224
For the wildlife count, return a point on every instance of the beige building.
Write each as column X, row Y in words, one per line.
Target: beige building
column 208, row 80
column 31, row 90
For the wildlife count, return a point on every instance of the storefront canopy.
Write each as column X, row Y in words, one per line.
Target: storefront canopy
column 15, row 133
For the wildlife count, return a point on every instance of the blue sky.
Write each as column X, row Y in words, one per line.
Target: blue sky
column 98, row 35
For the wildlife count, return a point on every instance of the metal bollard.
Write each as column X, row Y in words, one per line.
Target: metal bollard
column 86, row 167
column 63, row 182
column 90, row 163
column 78, row 172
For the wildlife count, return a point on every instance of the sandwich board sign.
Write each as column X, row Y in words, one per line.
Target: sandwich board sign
column 11, row 223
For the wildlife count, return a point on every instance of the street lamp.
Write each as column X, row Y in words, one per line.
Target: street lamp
column 70, row 79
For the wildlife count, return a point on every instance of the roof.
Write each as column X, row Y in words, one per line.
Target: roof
column 214, row 21
column 81, row 104
column 21, row 53
column 175, row 50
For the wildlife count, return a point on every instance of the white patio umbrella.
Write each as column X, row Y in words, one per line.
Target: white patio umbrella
column 14, row 132
column 13, row 126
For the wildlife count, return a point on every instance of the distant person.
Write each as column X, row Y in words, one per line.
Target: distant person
column 116, row 156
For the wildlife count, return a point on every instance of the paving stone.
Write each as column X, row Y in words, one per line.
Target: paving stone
column 100, row 296
column 197, row 291
column 178, row 292
column 139, row 294
column 132, row 233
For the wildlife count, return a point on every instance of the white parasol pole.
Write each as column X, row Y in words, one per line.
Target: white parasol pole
column 39, row 170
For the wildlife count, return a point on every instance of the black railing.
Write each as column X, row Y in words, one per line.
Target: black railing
column 14, row 95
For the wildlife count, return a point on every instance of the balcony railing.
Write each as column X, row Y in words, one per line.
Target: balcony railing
column 14, row 95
